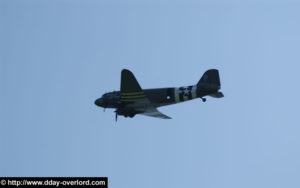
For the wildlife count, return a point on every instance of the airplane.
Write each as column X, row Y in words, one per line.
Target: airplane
column 132, row 99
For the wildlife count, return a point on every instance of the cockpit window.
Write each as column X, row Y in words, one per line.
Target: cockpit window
column 111, row 94
column 107, row 95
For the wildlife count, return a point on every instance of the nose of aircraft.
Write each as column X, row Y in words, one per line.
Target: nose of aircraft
column 99, row 102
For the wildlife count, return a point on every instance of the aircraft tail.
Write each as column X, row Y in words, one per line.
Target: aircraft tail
column 210, row 84
column 210, row 77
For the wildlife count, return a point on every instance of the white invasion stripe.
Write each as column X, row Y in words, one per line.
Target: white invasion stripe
column 176, row 93
column 194, row 91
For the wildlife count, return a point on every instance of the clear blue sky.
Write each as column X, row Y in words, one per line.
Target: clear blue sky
column 57, row 57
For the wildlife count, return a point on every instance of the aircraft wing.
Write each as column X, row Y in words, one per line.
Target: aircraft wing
column 131, row 91
column 153, row 112
column 134, row 97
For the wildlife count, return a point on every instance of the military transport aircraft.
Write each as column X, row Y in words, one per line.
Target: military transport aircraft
column 132, row 99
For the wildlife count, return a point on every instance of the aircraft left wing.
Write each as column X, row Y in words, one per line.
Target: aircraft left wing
column 153, row 112
column 135, row 98
column 131, row 91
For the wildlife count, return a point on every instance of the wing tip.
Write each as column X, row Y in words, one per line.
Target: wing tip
column 125, row 71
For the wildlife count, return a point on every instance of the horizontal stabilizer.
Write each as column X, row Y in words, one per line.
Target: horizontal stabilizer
column 217, row 95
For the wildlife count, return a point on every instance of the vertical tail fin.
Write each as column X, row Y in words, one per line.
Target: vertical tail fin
column 209, row 84
column 210, row 77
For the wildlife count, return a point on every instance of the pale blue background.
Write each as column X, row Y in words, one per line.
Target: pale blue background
column 57, row 57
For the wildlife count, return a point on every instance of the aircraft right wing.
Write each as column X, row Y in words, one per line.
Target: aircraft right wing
column 153, row 112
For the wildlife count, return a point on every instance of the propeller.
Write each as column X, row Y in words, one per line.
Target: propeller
column 116, row 115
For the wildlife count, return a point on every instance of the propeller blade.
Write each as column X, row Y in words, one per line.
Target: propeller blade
column 116, row 116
